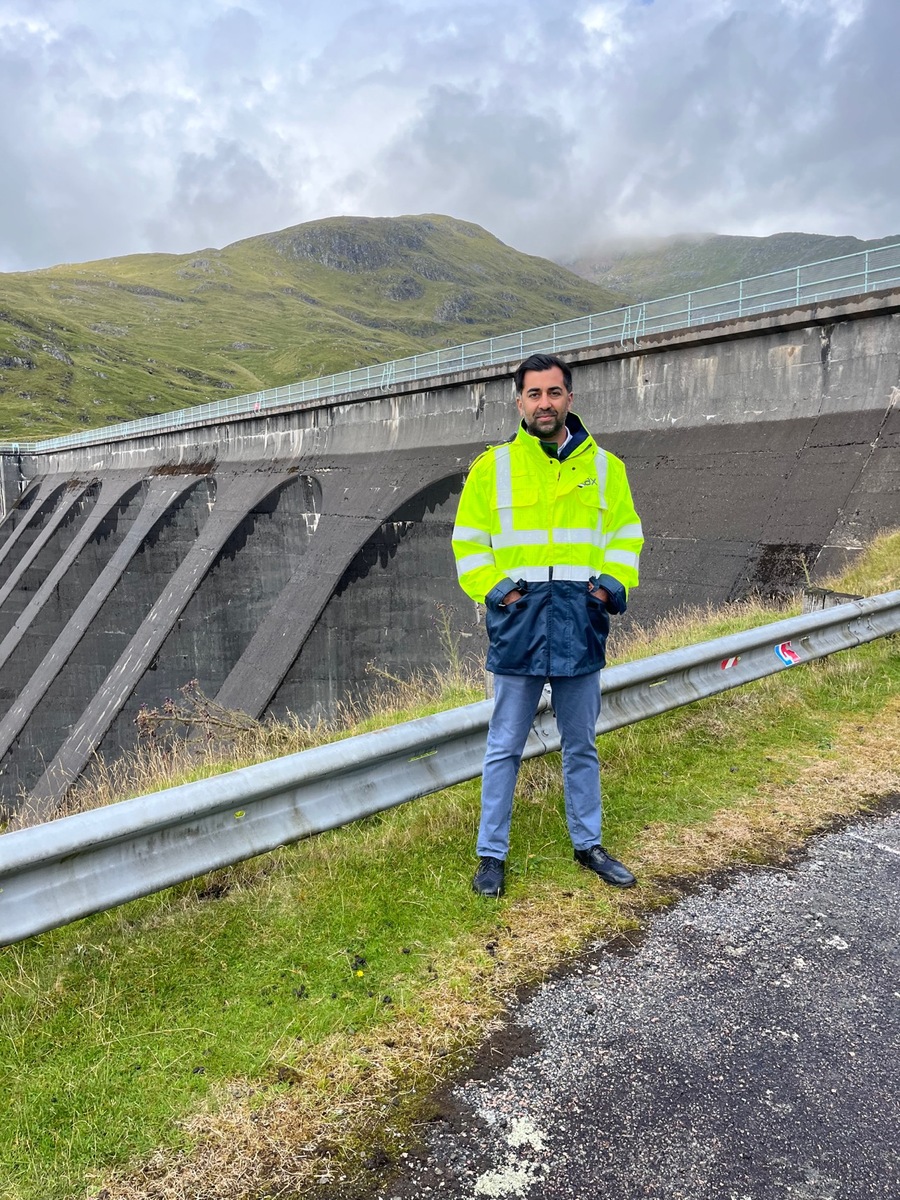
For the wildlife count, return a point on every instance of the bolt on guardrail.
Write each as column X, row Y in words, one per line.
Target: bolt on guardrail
column 54, row 873
column 847, row 275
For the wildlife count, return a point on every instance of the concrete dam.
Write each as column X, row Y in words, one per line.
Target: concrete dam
column 275, row 556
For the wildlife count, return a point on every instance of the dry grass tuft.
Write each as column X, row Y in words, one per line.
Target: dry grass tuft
column 685, row 626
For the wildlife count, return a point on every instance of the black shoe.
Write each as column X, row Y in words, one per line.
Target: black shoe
column 488, row 879
column 607, row 867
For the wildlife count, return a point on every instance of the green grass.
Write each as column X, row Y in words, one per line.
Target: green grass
column 290, row 998
column 91, row 344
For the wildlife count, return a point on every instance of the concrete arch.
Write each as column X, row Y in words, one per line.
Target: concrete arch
column 219, row 619
column 355, row 504
column 32, row 520
column 388, row 609
column 17, row 512
column 45, row 616
column 236, row 495
column 67, row 676
column 46, row 549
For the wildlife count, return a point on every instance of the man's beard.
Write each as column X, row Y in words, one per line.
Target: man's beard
column 547, row 433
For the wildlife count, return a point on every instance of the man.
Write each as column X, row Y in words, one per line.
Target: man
column 546, row 536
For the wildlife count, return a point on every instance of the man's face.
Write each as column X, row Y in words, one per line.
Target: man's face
column 544, row 404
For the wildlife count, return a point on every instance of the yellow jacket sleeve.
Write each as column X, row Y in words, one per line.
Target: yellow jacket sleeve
column 476, row 569
column 624, row 536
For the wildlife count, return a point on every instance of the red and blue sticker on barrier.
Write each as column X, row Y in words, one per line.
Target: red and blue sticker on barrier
column 788, row 655
column 784, row 650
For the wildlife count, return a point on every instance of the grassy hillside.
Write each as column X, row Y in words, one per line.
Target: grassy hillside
column 92, row 343
column 650, row 268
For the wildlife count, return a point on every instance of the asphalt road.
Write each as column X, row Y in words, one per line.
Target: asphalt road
column 747, row 1048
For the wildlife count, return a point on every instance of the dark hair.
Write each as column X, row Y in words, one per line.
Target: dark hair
column 541, row 362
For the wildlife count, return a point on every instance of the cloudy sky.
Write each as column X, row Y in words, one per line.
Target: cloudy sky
column 178, row 124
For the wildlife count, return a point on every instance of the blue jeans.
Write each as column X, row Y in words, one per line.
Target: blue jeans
column 576, row 702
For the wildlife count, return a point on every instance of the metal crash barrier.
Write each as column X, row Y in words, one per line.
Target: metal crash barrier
column 54, row 873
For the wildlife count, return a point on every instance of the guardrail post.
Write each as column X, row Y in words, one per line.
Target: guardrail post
column 815, row 599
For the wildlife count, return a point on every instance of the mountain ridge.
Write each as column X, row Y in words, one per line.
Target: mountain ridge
column 90, row 344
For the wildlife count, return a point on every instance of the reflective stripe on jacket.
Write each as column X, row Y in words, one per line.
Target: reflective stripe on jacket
column 549, row 528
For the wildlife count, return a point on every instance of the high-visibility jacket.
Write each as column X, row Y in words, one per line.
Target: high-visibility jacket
column 552, row 529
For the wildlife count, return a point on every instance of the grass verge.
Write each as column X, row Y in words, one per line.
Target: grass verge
column 274, row 1027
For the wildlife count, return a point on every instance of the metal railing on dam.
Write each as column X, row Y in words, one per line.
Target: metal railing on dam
column 848, row 275
column 54, row 873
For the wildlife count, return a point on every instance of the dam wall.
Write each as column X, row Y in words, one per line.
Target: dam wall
column 291, row 559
